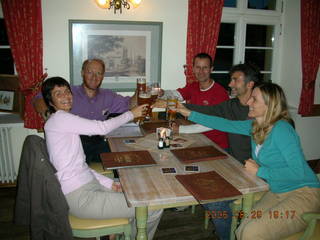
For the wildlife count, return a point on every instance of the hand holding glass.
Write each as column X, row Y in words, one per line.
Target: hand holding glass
column 145, row 98
column 183, row 110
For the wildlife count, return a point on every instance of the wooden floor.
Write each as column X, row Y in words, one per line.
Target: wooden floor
column 173, row 225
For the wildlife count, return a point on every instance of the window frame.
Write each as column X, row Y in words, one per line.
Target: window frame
column 241, row 17
column 9, row 47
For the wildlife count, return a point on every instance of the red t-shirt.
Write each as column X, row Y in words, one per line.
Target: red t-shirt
column 214, row 95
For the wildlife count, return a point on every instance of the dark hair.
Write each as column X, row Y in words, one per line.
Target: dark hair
column 250, row 71
column 86, row 62
column 202, row 56
column 47, row 88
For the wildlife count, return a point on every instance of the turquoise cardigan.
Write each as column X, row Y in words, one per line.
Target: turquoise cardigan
column 281, row 159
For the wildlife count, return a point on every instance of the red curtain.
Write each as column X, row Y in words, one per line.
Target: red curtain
column 310, row 52
column 204, row 19
column 24, row 26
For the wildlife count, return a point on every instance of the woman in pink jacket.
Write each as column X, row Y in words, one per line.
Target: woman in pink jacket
column 88, row 193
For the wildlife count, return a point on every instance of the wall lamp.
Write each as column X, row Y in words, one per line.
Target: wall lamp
column 117, row 4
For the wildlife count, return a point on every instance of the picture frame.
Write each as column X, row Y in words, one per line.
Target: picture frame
column 129, row 49
column 9, row 86
column 6, row 100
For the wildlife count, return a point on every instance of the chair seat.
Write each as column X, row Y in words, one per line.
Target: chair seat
column 294, row 236
column 87, row 224
column 315, row 236
column 97, row 166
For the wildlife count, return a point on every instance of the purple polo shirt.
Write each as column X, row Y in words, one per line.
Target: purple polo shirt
column 96, row 107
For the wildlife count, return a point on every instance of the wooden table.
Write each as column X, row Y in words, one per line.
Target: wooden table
column 147, row 188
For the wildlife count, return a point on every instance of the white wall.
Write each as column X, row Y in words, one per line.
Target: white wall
column 291, row 78
column 173, row 14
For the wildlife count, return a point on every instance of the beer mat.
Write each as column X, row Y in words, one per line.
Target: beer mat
column 114, row 160
column 198, row 154
column 150, row 127
column 207, row 186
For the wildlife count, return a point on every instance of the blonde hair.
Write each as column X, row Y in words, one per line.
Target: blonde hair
column 277, row 109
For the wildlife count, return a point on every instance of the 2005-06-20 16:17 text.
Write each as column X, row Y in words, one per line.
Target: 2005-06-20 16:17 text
column 254, row 214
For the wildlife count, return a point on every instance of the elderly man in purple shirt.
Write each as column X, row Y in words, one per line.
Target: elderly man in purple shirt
column 92, row 102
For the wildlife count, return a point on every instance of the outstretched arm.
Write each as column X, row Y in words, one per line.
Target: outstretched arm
column 194, row 128
column 214, row 110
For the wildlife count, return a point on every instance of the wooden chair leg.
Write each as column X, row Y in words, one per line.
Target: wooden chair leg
column 127, row 232
column 206, row 219
column 193, row 209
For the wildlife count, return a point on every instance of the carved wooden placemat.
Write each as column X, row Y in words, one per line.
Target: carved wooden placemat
column 198, row 154
column 114, row 160
column 207, row 186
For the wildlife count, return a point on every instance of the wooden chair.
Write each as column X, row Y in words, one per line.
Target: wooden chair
column 85, row 228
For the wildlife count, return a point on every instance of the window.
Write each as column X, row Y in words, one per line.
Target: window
column 6, row 59
column 249, row 32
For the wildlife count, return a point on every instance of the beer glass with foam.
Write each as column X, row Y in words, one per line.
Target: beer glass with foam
column 172, row 103
column 141, row 85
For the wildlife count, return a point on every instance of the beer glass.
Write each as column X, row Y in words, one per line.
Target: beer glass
column 172, row 103
column 145, row 98
column 155, row 90
column 141, row 85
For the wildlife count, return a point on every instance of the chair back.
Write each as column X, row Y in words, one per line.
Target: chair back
column 40, row 201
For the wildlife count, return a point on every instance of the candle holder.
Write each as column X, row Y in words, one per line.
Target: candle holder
column 164, row 137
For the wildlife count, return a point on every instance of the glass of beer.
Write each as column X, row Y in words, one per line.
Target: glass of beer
column 172, row 103
column 145, row 98
column 155, row 90
column 141, row 85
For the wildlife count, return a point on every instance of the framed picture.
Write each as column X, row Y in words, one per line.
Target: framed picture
column 130, row 50
column 6, row 100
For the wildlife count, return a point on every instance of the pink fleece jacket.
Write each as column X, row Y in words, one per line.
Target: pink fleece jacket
column 62, row 132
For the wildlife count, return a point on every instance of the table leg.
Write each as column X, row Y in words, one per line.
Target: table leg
column 247, row 204
column 141, row 217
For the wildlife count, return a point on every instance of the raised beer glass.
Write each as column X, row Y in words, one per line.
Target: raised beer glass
column 155, row 90
column 172, row 103
column 141, row 85
column 145, row 98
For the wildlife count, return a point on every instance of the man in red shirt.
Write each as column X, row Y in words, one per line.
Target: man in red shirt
column 204, row 91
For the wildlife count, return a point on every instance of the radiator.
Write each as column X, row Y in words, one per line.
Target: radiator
column 7, row 170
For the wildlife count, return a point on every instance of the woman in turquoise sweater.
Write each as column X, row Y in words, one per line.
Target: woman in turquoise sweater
column 277, row 157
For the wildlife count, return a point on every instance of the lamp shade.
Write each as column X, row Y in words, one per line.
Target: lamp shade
column 135, row 3
column 103, row 3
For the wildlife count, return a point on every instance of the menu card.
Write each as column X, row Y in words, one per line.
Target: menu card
column 198, row 154
column 114, row 160
column 207, row 186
